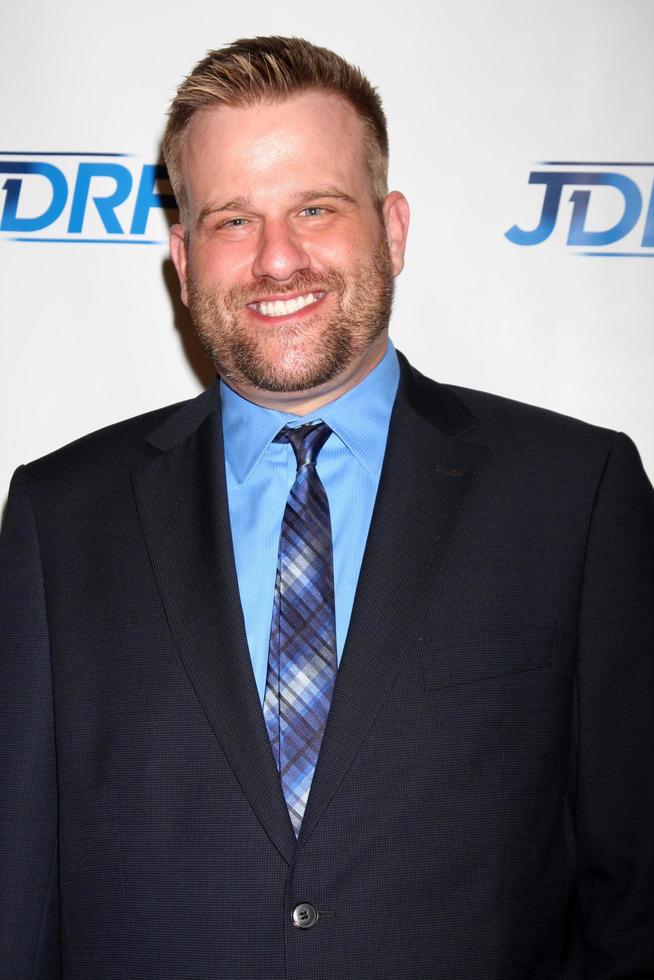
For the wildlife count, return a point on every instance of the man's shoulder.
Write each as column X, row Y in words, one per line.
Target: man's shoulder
column 520, row 437
column 500, row 418
column 115, row 446
column 547, row 450
column 502, row 413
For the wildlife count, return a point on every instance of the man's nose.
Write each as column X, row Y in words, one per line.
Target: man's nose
column 280, row 253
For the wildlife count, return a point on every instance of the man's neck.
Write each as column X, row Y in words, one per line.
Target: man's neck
column 309, row 401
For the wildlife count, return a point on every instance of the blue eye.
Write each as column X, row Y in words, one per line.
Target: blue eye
column 314, row 208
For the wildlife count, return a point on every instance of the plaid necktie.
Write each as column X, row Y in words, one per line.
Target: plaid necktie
column 302, row 650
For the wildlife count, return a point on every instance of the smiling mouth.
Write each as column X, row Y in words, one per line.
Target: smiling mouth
column 280, row 307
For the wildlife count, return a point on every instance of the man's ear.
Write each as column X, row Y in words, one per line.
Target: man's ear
column 395, row 211
column 178, row 254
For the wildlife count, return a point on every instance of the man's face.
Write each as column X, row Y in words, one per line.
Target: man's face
column 287, row 265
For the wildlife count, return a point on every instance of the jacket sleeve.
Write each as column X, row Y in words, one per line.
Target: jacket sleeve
column 29, row 902
column 614, row 806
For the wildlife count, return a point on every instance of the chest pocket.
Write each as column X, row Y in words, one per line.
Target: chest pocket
column 470, row 656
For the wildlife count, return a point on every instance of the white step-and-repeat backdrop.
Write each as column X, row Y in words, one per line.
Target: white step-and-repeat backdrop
column 521, row 134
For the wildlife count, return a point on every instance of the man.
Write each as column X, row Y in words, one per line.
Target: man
column 332, row 673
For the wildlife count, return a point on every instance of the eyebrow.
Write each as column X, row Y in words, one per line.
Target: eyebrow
column 300, row 197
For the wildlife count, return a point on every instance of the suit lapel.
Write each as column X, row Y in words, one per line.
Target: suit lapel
column 424, row 483
column 182, row 503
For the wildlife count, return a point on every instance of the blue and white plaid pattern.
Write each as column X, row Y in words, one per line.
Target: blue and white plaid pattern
column 302, row 652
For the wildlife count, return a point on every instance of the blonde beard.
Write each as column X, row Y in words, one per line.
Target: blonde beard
column 298, row 356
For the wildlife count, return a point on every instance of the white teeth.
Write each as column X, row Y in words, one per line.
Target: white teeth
column 281, row 307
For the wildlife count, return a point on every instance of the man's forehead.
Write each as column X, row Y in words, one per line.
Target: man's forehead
column 327, row 112
column 310, row 140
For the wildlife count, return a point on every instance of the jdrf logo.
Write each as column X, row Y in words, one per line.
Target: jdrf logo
column 613, row 216
column 83, row 197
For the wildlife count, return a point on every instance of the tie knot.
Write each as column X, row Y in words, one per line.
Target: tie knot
column 306, row 440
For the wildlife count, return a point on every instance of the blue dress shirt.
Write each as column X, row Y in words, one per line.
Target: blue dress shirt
column 260, row 474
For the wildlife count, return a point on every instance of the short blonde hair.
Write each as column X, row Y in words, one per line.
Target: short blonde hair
column 273, row 69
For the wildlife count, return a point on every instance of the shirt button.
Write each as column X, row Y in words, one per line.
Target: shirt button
column 304, row 915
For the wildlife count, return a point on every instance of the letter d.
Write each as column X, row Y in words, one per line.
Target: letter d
column 10, row 220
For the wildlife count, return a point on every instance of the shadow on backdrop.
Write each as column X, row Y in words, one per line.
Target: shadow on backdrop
column 200, row 364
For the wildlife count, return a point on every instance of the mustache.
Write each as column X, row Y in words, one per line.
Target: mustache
column 301, row 282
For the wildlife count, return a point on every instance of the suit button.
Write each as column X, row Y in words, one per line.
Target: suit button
column 304, row 915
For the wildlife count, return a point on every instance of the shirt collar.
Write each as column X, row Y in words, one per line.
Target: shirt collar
column 359, row 418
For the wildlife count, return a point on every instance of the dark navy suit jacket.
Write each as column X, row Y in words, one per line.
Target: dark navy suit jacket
column 482, row 807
